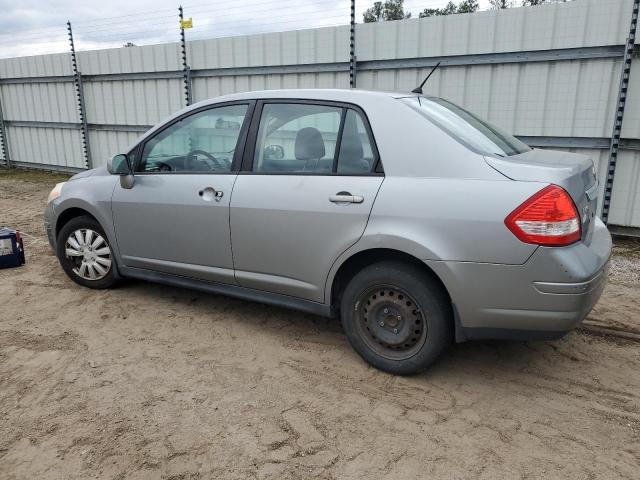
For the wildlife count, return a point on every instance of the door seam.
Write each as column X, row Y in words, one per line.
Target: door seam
column 324, row 295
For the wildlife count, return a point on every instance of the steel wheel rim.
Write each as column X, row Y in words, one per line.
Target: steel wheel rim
column 89, row 254
column 390, row 322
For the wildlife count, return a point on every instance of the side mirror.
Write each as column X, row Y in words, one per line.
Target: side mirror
column 273, row 152
column 119, row 165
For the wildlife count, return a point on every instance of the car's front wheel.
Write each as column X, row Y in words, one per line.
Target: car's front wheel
column 397, row 317
column 85, row 254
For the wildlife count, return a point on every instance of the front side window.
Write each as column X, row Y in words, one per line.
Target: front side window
column 463, row 125
column 204, row 142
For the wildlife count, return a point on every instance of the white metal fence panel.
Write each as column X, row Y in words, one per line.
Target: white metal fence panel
column 549, row 74
column 36, row 66
column 149, row 58
column 47, row 102
column 322, row 45
column 46, row 146
column 625, row 202
column 570, row 98
column 210, row 87
column 631, row 125
column 585, row 23
column 132, row 102
column 105, row 143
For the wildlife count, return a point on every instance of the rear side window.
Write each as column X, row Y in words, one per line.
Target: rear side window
column 312, row 139
column 356, row 153
column 295, row 138
column 467, row 128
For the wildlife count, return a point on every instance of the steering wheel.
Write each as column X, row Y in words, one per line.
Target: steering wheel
column 164, row 167
column 191, row 156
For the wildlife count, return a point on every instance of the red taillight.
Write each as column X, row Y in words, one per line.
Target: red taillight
column 548, row 218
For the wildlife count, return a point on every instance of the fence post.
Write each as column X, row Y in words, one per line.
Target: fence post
column 352, row 46
column 4, row 143
column 619, row 112
column 84, row 129
column 186, row 71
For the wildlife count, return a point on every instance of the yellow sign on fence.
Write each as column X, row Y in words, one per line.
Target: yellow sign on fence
column 186, row 23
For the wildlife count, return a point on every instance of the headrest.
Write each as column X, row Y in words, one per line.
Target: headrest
column 309, row 144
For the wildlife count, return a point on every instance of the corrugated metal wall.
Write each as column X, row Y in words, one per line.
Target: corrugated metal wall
column 550, row 74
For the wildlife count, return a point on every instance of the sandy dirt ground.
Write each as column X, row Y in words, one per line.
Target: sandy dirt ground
column 147, row 381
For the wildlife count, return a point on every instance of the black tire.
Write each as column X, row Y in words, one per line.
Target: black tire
column 385, row 331
column 69, row 263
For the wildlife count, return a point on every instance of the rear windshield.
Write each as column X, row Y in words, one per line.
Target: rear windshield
column 464, row 126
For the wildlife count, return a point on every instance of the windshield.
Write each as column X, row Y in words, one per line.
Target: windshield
column 466, row 127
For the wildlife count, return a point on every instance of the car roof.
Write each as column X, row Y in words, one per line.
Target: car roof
column 349, row 95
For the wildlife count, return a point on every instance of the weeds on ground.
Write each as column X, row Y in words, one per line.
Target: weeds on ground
column 28, row 175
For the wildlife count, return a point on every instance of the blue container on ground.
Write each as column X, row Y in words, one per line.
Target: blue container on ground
column 11, row 248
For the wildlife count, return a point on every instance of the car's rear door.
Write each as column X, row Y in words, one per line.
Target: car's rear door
column 175, row 219
column 304, row 195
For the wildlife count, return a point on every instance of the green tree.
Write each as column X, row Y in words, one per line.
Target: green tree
column 465, row 6
column 531, row 3
column 389, row 10
column 468, row 6
column 500, row 4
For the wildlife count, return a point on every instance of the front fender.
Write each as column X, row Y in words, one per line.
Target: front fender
column 92, row 196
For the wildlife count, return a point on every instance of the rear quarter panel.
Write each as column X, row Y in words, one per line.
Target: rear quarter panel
column 440, row 201
column 446, row 219
column 450, row 219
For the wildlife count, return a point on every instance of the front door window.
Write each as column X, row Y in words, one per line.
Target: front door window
column 204, row 142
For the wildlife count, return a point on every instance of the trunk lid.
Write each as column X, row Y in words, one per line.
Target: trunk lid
column 573, row 172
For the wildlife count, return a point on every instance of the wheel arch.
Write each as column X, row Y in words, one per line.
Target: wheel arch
column 73, row 208
column 363, row 258
column 70, row 213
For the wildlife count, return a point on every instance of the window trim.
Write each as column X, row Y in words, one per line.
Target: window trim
column 237, row 155
column 336, row 151
column 252, row 139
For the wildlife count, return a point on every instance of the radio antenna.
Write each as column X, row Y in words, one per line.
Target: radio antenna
column 418, row 90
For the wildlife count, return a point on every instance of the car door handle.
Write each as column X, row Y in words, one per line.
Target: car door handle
column 211, row 193
column 345, row 197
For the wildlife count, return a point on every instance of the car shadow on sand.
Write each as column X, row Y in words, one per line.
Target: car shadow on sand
column 486, row 358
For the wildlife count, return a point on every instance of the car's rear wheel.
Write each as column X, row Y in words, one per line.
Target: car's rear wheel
column 85, row 254
column 397, row 317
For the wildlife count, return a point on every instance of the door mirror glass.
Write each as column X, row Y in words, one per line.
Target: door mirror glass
column 119, row 165
column 273, row 152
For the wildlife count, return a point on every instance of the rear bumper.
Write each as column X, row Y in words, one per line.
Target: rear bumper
column 544, row 298
column 554, row 314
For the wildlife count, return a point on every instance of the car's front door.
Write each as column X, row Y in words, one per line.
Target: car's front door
column 304, row 196
column 175, row 219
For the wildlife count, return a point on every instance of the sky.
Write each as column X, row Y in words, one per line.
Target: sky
column 33, row 27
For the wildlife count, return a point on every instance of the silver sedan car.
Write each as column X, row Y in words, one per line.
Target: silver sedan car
column 410, row 218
